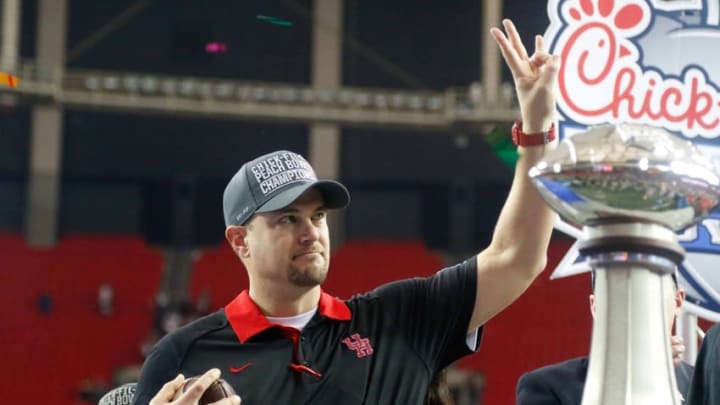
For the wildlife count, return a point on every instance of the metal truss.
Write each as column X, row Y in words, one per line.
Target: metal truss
column 454, row 109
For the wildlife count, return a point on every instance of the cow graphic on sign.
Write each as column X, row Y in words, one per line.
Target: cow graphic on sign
column 650, row 62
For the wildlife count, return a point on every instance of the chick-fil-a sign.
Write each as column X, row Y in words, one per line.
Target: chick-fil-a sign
column 603, row 77
column 655, row 62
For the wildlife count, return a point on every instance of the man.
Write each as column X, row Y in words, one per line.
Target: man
column 284, row 340
column 563, row 383
column 705, row 387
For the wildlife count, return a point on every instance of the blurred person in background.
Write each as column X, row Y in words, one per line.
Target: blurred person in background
column 456, row 386
column 563, row 383
column 439, row 390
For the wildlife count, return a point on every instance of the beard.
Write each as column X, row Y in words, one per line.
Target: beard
column 309, row 275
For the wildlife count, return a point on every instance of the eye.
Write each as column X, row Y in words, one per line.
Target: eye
column 319, row 216
column 287, row 219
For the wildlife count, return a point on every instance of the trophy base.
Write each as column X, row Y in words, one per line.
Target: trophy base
column 630, row 356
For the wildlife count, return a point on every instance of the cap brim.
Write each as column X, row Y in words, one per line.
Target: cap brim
column 335, row 195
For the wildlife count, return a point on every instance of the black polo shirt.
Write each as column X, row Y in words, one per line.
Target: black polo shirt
column 382, row 347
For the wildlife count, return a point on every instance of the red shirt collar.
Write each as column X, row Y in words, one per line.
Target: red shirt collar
column 247, row 320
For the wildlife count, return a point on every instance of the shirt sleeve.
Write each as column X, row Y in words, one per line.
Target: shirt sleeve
column 434, row 312
column 705, row 386
column 160, row 366
column 532, row 390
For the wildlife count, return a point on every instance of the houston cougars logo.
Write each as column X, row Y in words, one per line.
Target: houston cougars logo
column 650, row 62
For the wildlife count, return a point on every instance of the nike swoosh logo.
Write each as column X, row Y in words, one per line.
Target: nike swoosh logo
column 236, row 370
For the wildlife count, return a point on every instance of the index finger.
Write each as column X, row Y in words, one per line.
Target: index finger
column 514, row 38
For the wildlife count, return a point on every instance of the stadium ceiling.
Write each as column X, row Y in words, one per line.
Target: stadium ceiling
column 452, row 109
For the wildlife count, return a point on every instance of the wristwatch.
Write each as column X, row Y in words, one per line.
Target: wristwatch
column 521, row 138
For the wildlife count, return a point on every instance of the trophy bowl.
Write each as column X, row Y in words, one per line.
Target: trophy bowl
column 628, row 173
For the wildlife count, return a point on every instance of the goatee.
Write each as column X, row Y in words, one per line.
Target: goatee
column 309, row 277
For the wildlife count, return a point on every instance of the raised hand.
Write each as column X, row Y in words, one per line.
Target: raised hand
column 535, row 76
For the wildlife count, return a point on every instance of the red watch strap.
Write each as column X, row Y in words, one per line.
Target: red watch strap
column 521, row 138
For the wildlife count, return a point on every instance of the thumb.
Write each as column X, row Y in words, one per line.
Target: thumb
column 168, row 391
column 540, row 59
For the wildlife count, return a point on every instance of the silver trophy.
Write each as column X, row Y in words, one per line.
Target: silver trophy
column 631, row 188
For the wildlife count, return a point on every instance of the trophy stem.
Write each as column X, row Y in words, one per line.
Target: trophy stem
column 630, row 356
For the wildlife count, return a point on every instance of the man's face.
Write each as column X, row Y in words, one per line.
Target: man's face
column 291, row 245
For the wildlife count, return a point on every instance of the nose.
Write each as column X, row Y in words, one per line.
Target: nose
column 309, row 232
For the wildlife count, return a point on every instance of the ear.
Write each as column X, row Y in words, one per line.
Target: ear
column 679, row 299
column 236, row 237
column 591, row 299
